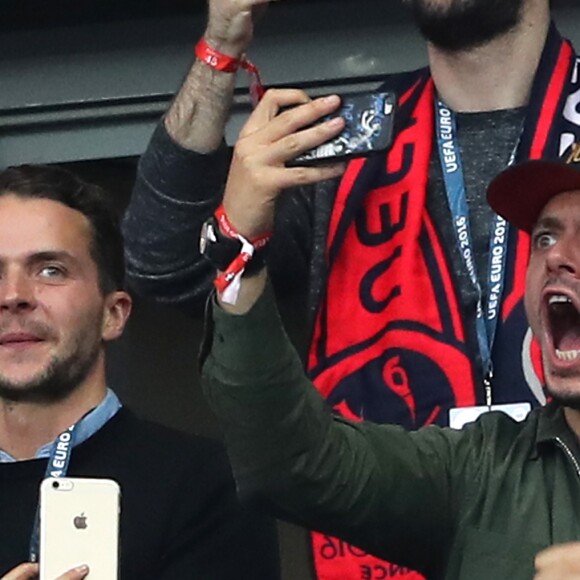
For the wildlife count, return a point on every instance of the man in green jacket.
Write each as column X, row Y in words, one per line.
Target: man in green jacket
column 484, row 502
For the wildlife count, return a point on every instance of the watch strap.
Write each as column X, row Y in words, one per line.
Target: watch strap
column 221, row 250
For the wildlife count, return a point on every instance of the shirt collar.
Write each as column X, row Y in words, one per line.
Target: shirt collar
column 86, row 427
column 552, row 426
column 552, row 423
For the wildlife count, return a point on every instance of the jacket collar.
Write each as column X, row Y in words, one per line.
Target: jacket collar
column 552, row 425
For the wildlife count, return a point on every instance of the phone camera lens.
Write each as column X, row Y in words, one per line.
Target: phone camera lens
column 55, row 484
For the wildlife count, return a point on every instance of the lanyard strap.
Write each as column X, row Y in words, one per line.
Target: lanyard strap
column 486, row 318
column 57, row 466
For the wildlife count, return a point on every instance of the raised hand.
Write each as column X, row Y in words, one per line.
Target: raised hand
column 231, row 24
column 268, row 140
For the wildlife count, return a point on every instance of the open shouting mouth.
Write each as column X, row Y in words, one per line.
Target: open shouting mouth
column 563, row 328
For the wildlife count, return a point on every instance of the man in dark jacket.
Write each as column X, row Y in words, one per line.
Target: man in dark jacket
column 61, row 301
column 478, row 503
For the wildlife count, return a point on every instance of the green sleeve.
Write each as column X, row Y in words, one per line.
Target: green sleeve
column 386, row 490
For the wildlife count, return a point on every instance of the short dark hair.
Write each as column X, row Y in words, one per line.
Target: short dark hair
column 59, row 184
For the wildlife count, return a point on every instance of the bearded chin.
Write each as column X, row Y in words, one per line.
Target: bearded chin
column 465, row 24
column 565, row 399
column 61, row 378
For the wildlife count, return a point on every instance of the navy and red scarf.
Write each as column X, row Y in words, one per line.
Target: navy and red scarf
column 391, row 343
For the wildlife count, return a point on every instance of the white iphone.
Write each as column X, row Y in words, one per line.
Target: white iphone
column 79, row 524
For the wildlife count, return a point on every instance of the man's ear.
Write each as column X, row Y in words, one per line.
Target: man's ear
column 116, row 312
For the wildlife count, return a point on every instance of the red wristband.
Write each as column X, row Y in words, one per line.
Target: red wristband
column 216, row 59
column 229, row 230
column 230, row 64
column 227, row 277
column 231, row 275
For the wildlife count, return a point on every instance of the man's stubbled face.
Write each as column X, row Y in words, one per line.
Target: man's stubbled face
column 456, row 25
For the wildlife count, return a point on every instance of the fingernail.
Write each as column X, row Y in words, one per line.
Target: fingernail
column 335, row 122
column 332, row 99
column 82, row 569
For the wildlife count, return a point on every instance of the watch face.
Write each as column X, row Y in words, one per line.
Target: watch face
column 207, row 236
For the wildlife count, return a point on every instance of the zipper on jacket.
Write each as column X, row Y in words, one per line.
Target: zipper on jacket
column 569, row 454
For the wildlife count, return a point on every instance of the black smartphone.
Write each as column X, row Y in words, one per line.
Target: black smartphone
column 369, row 120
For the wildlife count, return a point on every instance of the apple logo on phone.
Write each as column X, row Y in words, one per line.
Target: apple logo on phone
column 80, row 522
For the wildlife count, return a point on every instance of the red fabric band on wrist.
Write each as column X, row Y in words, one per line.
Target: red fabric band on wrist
column 230, row 64
column 232, row 274
column 226, row 278
column 216, row 59
column 229, row 230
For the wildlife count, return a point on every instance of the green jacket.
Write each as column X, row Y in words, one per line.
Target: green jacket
column 472, row 504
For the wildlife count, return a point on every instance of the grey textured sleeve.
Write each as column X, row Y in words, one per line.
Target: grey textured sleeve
column 175, row 191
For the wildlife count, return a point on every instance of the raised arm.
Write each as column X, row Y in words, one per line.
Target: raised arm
column 181, row 175
column 390, row 492
column 377, row 487
column 196, row 120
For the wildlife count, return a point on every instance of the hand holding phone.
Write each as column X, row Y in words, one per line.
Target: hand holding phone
column 268, row 140
column 369, row 118
column 79, row 524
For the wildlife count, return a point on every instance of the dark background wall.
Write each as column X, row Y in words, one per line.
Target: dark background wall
column 84, row 82
column 88, row 79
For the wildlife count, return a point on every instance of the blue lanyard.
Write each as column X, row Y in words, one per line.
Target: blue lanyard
column 57, row 466
column 486, row 318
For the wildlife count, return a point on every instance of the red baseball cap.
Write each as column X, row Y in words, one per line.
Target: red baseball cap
column 520, row 193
